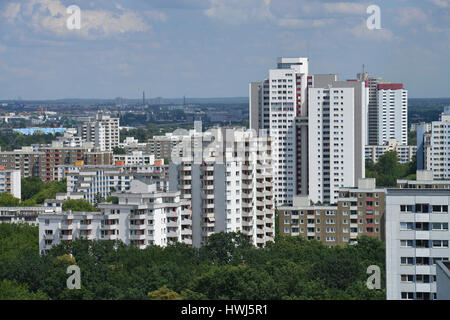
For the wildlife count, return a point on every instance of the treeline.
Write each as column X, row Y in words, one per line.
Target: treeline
column 388, row 169
column 34, row 192
column 10, row 141
column 228, row 267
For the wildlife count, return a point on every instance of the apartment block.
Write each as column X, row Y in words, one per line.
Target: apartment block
column 433, row 147
column 417, row 237
column 134, row 158
column 104, row 132
column 387, row 111
column 336, row 130
column 358, row 211
column 405, row 153
column 143, row 217
column 226, row 174
column 10, row 182
column 30, row 163
column 278, row 107
column 28, row 215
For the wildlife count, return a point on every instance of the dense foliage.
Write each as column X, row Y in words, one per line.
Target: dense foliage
column 78, row 205
column 388, row 169
column 34, row 190
column 14, row 140
column 228, row 267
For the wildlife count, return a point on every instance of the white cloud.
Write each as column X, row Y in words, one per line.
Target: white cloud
column 362, row 32
column 11, row 11
column 283, row 13
column 441, row 3
column 51, row 16
column 410, row 15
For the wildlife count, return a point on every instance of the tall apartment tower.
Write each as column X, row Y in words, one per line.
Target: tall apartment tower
column 417, row 237
column 103, row 131
column 433, row 146
column 278, row 106
column 227, row 176
column 387, row 111
column 337, row 128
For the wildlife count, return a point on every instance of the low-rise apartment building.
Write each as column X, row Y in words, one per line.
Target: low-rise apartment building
column 405, row 153
column 142, row 218
column 10, row 182
column 359, row 211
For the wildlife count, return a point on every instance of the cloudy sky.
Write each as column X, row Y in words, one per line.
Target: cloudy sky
column 213, row 48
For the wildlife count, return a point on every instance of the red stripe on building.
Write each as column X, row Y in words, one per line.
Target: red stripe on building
column 390, row 86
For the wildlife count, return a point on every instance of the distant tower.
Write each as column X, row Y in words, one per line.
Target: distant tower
column 184, row 102
column 143, row 98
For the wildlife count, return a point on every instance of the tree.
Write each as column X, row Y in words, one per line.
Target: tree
column 11, row 290
column 78, row 205
column 8, row 200
column 164, row 293
column 118, row 150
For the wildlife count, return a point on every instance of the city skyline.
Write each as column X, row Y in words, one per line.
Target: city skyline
column 168, row 50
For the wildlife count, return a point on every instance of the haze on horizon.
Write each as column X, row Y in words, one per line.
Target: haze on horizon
column 214, row 48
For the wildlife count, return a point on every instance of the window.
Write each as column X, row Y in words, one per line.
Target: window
column 408, row 295
column 406, row 260
column 406, row 226
column 407, row 278
column 406, row 243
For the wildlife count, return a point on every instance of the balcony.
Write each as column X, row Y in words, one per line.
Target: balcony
column 172, row 234
column 172, row 214
column 137, row 237
column 65, row 226
column 137, row 226
column 85, row 226
column 109, row 226
column 110, row 237
column 172, row 223
column 48, row 236
column 186, row 222
column 138, row 216
column 185, row 231
column 66, row 237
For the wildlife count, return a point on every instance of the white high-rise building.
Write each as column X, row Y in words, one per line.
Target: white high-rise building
column 104, row 131
column 436, row 146
column 278, row 105
column 337, row 127
column 417, row 236
column 392, row 103
column 10, row 182
column 227, row 176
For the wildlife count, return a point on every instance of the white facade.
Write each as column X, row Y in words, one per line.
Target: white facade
column 104, row 132
column 10, row 182
column 228, row 183
column 276, row 105
column 392, row 114
column 135, row 157
column 417, row 236
column 140, row 219
column 437, row 147
column 331, row 142
column 405, row 153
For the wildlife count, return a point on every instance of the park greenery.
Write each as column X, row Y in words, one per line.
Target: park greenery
column 227, row 267
column 388, row 169
column 10, row 141
column 79, row 205
column 34, row 192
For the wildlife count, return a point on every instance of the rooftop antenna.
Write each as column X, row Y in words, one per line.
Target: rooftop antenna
column 364, row 68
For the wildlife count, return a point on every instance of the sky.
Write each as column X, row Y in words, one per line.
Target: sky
column 214, row 48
